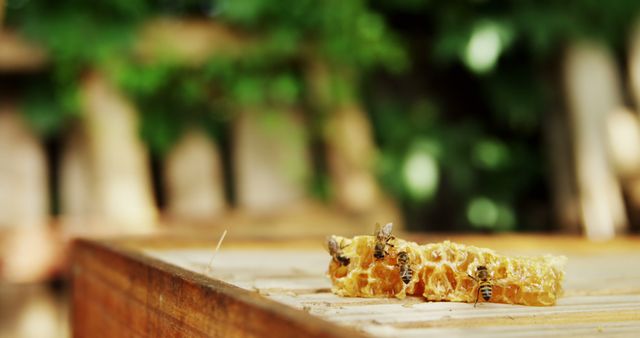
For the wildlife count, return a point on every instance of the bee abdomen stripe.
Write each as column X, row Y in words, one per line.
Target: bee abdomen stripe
column 486, row 291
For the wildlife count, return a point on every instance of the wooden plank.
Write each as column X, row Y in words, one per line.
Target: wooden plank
column 119, row 166
column 18, row 54
column 349, row 141
column 193, row 178
column 23, row 171
column 150, row 298
column 594, row 298
column 271, row 159
column 593, row 91
column 287, row 277
column 28, row 253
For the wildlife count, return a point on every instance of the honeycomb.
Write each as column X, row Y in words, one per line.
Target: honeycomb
column 443, row 272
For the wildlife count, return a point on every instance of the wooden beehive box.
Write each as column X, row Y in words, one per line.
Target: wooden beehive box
column 161, row 288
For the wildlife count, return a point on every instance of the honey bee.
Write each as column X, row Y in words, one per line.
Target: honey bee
column 485, row 287
column 383, row 236
column 336, row 252
column 405, row 270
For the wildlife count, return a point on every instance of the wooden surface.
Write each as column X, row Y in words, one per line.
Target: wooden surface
column 159, row 287
column 120, row 293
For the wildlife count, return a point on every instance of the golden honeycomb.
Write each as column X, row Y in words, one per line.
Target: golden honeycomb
column 443, row 272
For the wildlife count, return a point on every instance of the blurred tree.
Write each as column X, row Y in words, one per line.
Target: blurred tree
column 489, row 70
column 457, row 91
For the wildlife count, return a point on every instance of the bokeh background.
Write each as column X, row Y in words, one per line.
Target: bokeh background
column 449, row 116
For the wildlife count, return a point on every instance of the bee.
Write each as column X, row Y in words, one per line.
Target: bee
column 336, row 252
column 405, row 270
column 485, row 287
column 383, row 236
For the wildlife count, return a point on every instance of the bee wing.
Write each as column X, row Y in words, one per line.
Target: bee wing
column 378, row 229
column 386, row 230
column 332, row 245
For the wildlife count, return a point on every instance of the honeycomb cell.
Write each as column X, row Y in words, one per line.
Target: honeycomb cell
column 445, row 272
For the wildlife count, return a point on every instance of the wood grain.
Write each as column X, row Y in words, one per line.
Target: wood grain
column 280, row 286
column 122, row 293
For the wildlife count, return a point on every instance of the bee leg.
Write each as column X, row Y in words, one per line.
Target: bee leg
column 478, row 292
column 386, row 249
column 391, row 238
column 477, row 297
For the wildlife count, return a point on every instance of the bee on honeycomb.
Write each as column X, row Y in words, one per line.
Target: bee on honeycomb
column 441, row 272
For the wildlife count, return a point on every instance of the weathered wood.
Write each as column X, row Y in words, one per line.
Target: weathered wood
column 119, row 164
column 271, row 159
column 24, row 207
column 623, row 127
column 193, row 178
column 123, row 293
column 161, row 286
column 629, row 141
column 23, row 172
column 351, row 158
column 623, row 139
column 593, row 91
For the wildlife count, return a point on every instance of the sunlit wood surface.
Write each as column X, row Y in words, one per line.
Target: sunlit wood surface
column 161, row 286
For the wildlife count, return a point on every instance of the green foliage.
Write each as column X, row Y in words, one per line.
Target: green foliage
column 77, row 35
column 490, row 151
column 80, row 35
column 541, row 26
column 342, row 32
column 457, row 90
column 172, row 98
